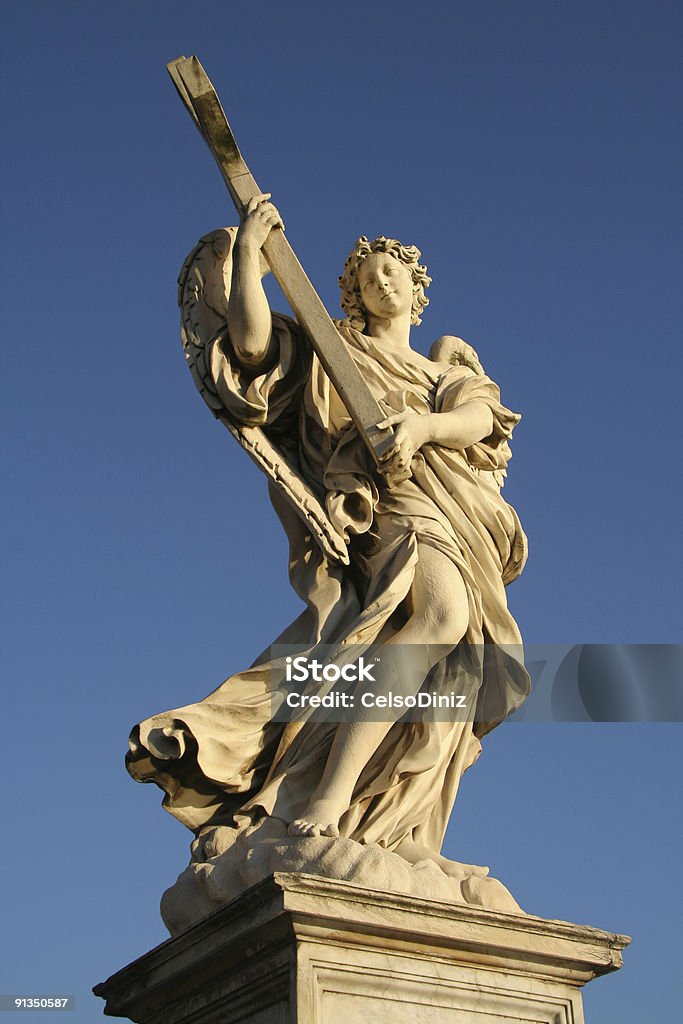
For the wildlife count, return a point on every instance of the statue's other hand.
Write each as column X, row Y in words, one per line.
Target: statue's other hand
column 410, row 433
column 257, row 221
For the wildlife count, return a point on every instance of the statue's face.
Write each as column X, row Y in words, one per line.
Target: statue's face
column 386, row 287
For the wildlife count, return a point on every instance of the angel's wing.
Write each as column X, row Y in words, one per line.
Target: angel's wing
column 449, row 349
column 203, row 291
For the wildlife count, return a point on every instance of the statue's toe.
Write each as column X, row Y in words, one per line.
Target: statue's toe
column 301, row 827
column 297, row 828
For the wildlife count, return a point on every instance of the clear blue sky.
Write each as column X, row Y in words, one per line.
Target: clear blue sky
column 532, row 149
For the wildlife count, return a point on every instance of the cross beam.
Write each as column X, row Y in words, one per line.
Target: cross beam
column 203, row 105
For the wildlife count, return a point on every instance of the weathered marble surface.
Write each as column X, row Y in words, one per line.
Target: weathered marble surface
column 226, row 861
column 302, row 950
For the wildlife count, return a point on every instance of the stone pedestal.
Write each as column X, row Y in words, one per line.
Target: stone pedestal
column 298, row 949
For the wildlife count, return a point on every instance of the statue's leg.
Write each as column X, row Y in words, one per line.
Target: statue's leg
column 438, row 622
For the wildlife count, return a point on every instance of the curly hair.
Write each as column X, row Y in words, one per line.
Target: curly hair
column 408, row 255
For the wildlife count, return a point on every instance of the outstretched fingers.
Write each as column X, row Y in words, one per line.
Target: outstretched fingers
column 390, row 421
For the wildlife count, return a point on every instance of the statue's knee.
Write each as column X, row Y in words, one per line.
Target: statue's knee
column 447, row 624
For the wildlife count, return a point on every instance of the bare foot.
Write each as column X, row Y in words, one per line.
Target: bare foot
column 415, row 853
column 454, row 869
column 321, row 819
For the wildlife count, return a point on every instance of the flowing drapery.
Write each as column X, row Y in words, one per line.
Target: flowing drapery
column 225, row 759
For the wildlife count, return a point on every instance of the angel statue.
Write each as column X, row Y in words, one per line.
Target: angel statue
column 410, row 557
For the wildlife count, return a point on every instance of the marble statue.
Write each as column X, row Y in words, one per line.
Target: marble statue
column 407, row 552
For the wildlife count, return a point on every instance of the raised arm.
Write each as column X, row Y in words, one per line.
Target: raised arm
column 249, row 321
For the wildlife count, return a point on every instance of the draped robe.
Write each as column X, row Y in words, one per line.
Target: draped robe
column 226, row 760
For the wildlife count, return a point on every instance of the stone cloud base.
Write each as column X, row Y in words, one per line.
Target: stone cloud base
column 298, row 949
